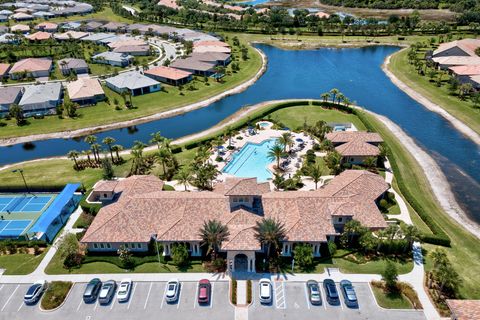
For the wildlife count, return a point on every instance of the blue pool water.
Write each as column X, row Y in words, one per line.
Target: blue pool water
column 251, row 161
column 306, row 74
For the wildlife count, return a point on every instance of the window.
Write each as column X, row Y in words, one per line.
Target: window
column 340, row 219
column 139, row 245
column 95, row 245
column 102, row 246
column 109, row 246
column 235, row 199
column 104, row 195
column 240, row 199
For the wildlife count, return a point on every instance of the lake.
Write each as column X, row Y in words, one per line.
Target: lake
column 306, row 74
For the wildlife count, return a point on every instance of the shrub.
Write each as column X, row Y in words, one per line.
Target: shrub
column 332, row 247
column 383, row 205
column 73, row 260
column 179, row 254
column 249, row 291
column 36, row 250
column 55, row 295
column 219, row 159
column 303, row 255
column 390, row 276
column 233, row 293
column 176, row 149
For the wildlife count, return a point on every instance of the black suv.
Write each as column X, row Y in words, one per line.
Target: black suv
column 331, row 292
column 91, row 290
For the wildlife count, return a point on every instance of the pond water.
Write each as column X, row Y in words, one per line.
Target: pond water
column 306, row 74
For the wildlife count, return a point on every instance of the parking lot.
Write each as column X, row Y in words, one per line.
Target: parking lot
column 146, row 301
column 290, row 301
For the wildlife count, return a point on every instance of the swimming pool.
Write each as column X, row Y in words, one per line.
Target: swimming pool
column 251, row 161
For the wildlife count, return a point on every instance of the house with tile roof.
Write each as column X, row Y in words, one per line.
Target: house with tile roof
column 92, row 26
column 9, row 96
column 47, row 26
column 85, row 91
column 69, row 65
column 69, row 35
column 456, row 53
column 134, row 50
column 39, row 36
column 137, row 211
column 355, row 146
column 20, row 28
column 4, row 67
column 114, row 26
column 31, row 67
column 194, row 66
column 464, row 309
column 132, row 81
column 218, row 58
column 113, row 58
column 41, row 97
column 21, row 16
column 169, row 75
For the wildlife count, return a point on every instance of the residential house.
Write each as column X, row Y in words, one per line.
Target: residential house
column 4, row 67
column 169, row 3
column 9, row 38
column 320, row 14
column 113, row 58
column 467, row 74
column 43, row 15
column 211, row 46
column 5, row 12
column 47, row 26
column 98, row 37
column 114, row 26
column 456, row 53
column 3, row 29
column 140, row 50
column 69, row 65
column 134, row 82
column 312, row 217
column 31, row 67
column 39, row 36
column 3, row 18
column 41, row 98
column 20, row 28
column 355, row 146
column 85, row 91
column 218, row 58
column 70, row 35
column 169, row 75
column 9, row 96
column 194, row 66
column 72, row 25
column 464, row 309
column 20, row 16
column 126, row 42
column 92, row 26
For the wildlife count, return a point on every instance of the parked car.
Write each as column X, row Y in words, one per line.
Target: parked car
column 314, row 292
column 204, row 289
column 91, row 290
column 265, row 290
column 331, row 292
column 107, row 292
column 34, row 292
column 349, row 294
column 173, row 288
column 124, row 290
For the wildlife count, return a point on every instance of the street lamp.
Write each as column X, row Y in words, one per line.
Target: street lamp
column 23, row 177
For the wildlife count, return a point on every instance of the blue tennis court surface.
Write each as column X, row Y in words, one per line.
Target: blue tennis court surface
column 24, row 203
column 13, row 228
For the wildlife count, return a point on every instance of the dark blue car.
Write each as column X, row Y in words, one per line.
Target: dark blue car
column 331, row 292
column 349, row 294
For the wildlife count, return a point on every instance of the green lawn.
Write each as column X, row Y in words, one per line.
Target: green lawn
column 55, row 295
column 391, row 300
column 167, row 99
column 20, row 263
column 462, row 110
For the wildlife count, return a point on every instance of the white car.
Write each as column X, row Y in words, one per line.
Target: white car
column 124, row 290
column 34, row 292
column 265, row 290
column 173, row 288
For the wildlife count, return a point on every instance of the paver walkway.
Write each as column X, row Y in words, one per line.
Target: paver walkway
column 404, row 215
column 242, row 292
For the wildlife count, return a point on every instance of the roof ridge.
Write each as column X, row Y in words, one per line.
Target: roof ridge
column 102, row 225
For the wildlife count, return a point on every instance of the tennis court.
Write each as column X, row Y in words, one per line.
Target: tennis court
column 13, row 228
column 24, row 203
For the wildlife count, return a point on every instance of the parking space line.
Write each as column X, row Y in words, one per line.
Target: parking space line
column 179, row 299
column 148, row 296
column 340, row 297
column 133, row 293
column 112, row 303
column 96, row 305
column 279, row 294
column 163, row 298
column 211, row 295
column 196, row 298
column 8, row 300
column 79, row 305
column 306, row 296
column 20, row 307
column 324, row 301
column 2, row 287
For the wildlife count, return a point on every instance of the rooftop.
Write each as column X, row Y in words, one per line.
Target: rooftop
column 72, row 63
column 464, row 309
column 168, row 73
column 41, row 93
column 38, row 36
column 8, row 95
column 131, row 80
column 84, row 88
column 31, row 65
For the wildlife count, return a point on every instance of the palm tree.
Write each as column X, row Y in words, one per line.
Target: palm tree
column 325, row 96
column 163, row 156
column 269, row 232
column 229, row 134
column 157, row 139
column 439, row 257
column 96, row 151
column 333, row 160
column 213, row 233
column 340, row 98
column 218, row 142
column 117, row 148
column 202, row 155
column 73, row 154
column 275, row 153
column 334, row 92
column 184, row 176
column 286, row 140
column 315, row 172
column 87, row 153
column 109, row 141
column 91, row 139
column 137, row 160
column 411, row 234
column 370, row 162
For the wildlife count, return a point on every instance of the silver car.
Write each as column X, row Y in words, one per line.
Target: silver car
column 172, row 290
column 314, row 294
column 107, row 292
column 34, row 292
column 265, row 291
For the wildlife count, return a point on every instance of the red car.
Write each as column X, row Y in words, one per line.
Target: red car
column 204, row 288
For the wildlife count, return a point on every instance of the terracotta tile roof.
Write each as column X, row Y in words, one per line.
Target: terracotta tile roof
column 130, row 42
column 204, row 49
column 132, row 48
column 466, row 70
column 210, row 43
column 466, row 45
column 40, row 35
column 4, row 68
column 464, row 309
column 84, row 88
column 31, row 65
column 178, row 216
column 168, row 73
column 20, row 27
column 457, row 60
column 71, row 34
column 106, row 186
column 169, row 3
column 46, row 26
column 355, row 143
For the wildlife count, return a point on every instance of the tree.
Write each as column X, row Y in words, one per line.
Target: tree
column 315, row 172
column 303, row 255
column 325, row 96
column 184, row 176
column 333, row 160
column 286, row 140
column 368, row 242
column 351, row 230
column 390, row 276
column 269, row 232
column 117, row 148
column 109, row 141
column 107, row 168
column 91, row 139
column 125, row 257
column 73, row 154
column 213, row 234
column 370, row 162
column 278, row 181
column 69, row 250
column 179, row 254
column 439, row 257
column 16, row 112
column 157, row 139
column 163, row 156
column 411, row 234
column 333, row 93
column 275, row 153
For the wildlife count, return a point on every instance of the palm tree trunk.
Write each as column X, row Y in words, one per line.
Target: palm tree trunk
column 111, row 153
column 118, row 156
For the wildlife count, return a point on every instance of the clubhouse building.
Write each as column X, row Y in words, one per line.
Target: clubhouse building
column 136, row 211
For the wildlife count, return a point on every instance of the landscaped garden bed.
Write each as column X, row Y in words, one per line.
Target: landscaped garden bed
column 55, row 294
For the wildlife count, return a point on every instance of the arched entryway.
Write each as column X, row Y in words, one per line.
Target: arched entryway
column 241, row 262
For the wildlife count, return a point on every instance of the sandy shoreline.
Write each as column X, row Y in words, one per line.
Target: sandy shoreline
column 153, row 117
column 459, row 125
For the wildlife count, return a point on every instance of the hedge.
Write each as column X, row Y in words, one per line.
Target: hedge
column 176, row 149
column 439, row 236
column 24, row 243
column 233, row 292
